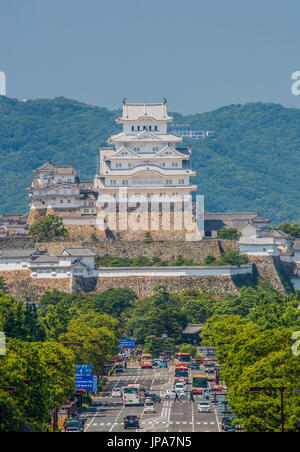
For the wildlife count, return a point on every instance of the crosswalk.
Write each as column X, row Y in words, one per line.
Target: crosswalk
column 103, row 424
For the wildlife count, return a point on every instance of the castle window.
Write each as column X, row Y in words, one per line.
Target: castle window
column 132, row 128
column 155, row 129
column 59, row 181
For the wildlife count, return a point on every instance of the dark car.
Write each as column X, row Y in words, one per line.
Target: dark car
column 131, row 422
column 155, row 363
column 226, row 423
column 155, row 397
column 195, row 366
column 210, row 370
column 119, row 368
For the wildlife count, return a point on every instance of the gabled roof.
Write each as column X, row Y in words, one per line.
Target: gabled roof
column 193, row 328
column 56, row 169
column 131, row 153
column 144, row 136
column 276, row 233
column 77, row 252
column 175, row 152
column 246, row 225
column 134, row 112
column 47, row 166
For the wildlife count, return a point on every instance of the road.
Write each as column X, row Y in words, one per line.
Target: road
column 107, row 413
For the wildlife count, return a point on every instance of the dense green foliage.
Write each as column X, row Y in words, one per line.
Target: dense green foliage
column 229, row 258
column 255, row 349
column 252, row 165
column 47, row 229
column 228, row 233
column 292, row 229
column 43, row 345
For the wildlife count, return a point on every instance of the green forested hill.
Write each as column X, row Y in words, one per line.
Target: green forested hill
column 254, row 163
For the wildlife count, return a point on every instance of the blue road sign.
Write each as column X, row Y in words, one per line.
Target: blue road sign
column 84, row 369
column 87, row 382
column 127, row 344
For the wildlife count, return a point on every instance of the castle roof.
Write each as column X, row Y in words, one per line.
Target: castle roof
column 134, row 112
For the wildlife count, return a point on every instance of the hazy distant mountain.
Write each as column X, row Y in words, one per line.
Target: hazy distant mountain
column 253, row 164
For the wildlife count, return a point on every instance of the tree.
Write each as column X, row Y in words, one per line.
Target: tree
column 43, row 377
column 234, row 258
column 115, row 302
column 3, row 286
column 47, row 229
column 260, row 412
column 23, row 323
column 98, row 335
column 188, row 348
column 291, row 229
column 158, row 314
column 228, row 233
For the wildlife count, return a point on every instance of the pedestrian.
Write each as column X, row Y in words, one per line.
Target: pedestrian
column 176, row 396
column 125, row 364
column 192, row 397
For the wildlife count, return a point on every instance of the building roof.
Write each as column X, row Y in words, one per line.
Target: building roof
column 144, row 136
column 45, row 258
column 56, row 169
column 193, row 328
column 256, row 241
column 236, row 220
column 77, row 252
column 231, row 216
column 133, row 112
column 18, row 253
column 277, row 234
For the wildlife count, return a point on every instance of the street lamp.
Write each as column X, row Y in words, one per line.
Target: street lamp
column 272, row 388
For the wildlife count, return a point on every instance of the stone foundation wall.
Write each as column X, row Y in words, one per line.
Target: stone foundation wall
column 35, row 215
column 268, row 268
column 144, row 286
column 161, row 249
column 16, row 242
column 22, row 287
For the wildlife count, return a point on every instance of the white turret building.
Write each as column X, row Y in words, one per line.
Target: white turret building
column 144, row 157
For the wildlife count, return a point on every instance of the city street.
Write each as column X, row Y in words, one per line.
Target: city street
column 107, row 413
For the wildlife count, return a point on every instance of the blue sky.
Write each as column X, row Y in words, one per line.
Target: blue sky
column 198, row 54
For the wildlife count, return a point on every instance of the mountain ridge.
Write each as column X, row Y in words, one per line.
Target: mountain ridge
column 252, row 165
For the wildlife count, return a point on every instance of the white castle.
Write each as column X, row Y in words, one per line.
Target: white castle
column 144, row 160
column 144, row 157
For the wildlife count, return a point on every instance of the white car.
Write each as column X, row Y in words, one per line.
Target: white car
column 117, row 393
column 149, row 406
column 171, row 394
column 180, row 386
column 204, row 407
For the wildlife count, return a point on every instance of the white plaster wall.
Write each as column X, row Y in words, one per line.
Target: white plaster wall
column 173, row 271
column 260, row 250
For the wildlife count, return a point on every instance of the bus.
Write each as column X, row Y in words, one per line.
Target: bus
column 199, row 383
column 133, row 395
column 146, row 360
column 182, row 359
column 181, row 374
